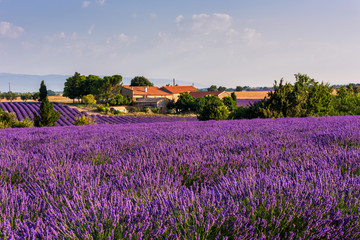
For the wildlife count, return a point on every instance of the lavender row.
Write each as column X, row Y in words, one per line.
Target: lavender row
column 246, row 102
column 241, row 179
column 68, row 115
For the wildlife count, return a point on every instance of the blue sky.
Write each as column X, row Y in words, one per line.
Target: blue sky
column 227, row 42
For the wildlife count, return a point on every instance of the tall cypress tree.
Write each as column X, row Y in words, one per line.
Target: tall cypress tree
column 43, row 91
column 47, row 116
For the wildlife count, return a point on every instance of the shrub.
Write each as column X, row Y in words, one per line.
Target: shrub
column 89, row 99
column 155, row 110
column 133, row 109
column 103, row 108
column 146, row 109
column 214, row 109
column 83, row 120
column 8, row 120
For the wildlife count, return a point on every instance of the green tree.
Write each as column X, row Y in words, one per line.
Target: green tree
column 42, row 91
column 185, row 102
column 51, row 93
column 221, row 88
column 35, row 96
column 140, row 81
column 26, row 96
column 73, row 86
column 10, row 96
column 229, row 103
column 47, row 116
column 306, row 97
column 214, row 109
column 233, row 96
column 239, row 88
column 212, row 88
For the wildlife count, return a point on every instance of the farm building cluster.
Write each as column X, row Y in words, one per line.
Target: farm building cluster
column 146, row 96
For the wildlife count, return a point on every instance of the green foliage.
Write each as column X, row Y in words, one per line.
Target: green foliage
column 347, row 101
column 73, row 86
column 89, row 99
column 140, row 81
column 48, row 116
column 305, row 97
column 214, row 109
column 2, row 95
column 26, row 96
column 8, row 120
column 212, row 88
column 185, row 102
column 171, row 105
column 233, row 96
column 229, row 103
column 221, row 88
column 239, row 88
column 119, row 100
column 42, row 91
column 155, row 110
column 10, row 96
column 51, row 93
column 35, row 96
column 103, row 108
column 83, row 120
column 146, row 109
column 133, row 109
column 103, row 89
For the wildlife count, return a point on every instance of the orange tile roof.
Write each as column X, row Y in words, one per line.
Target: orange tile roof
column 203, row 94
column 141, row 90
column 179, row 89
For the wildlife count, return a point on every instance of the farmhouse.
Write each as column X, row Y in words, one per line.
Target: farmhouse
column 143, row 92
column 169, row 92
column 219, row 94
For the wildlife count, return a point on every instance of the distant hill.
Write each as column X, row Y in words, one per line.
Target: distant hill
column 31, row 83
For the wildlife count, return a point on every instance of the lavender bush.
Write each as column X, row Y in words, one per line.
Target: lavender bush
column 240, row 179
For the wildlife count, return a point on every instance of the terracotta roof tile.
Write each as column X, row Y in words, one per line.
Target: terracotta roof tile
column 147, row 90
column 179, row 89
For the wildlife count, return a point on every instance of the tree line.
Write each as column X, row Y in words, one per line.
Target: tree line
column 306, row 97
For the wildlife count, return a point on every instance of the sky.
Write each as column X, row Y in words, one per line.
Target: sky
column 228, row 43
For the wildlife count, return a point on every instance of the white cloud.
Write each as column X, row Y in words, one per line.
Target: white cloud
column 86, row 4
column 153, row 15
column 179, row 18
column 55, row 37
column 91, row 29
column 101, row 2
column 251, row 35
column 122, row 38
column 9, row 30
column 205, row 23
column 74, row 36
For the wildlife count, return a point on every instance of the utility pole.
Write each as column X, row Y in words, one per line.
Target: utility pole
column 10, row 92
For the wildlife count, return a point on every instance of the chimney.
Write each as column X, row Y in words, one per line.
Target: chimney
column 174, row 82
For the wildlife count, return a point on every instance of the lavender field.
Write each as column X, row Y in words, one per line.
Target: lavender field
column 68, row 115
column 240, row 179
column 245, row 102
